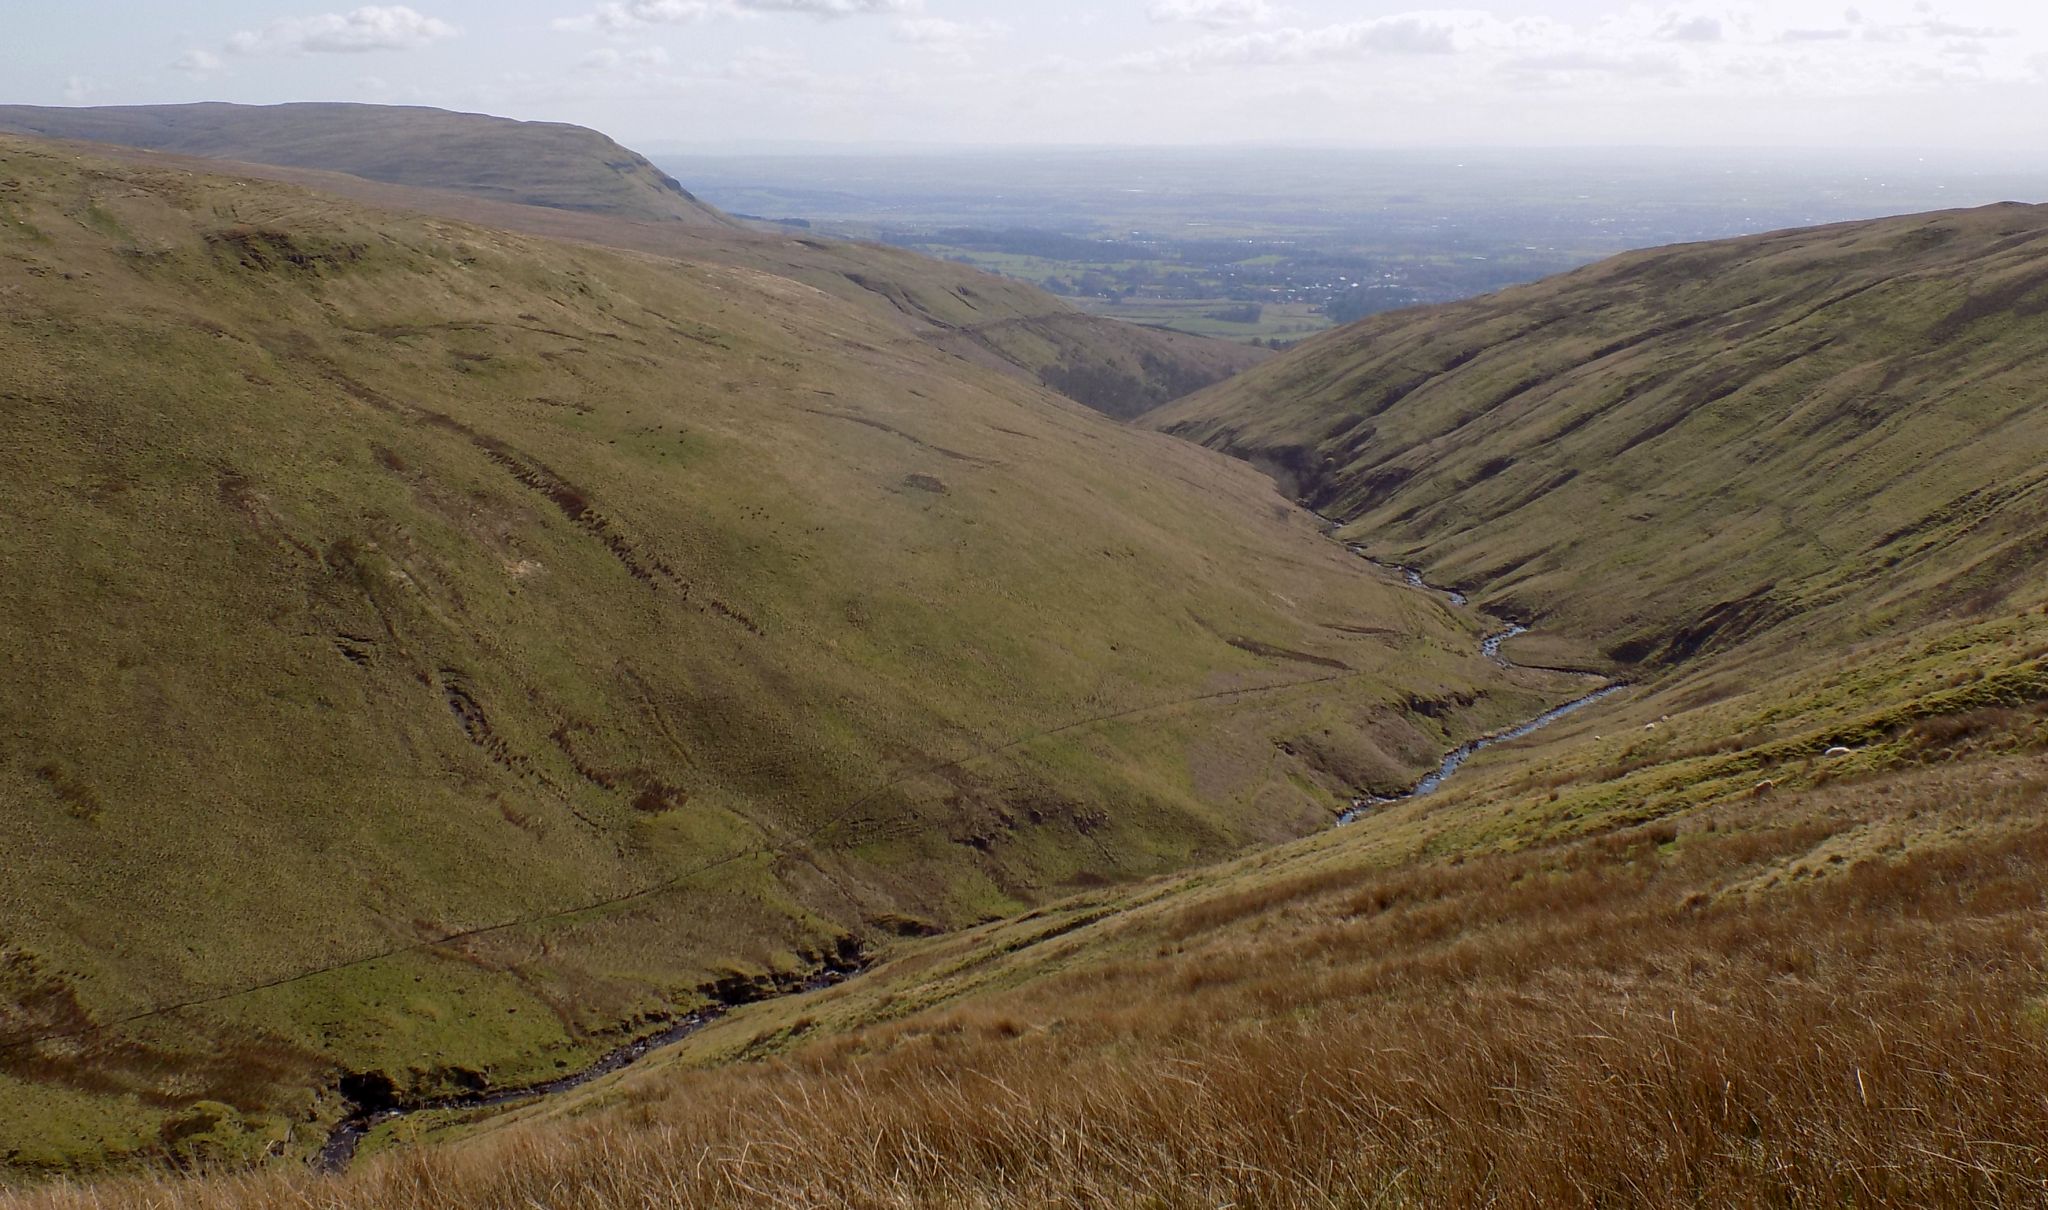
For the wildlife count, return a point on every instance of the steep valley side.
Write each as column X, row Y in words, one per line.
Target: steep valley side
column 568, row 182
column 435, row 650
column 1827, row 434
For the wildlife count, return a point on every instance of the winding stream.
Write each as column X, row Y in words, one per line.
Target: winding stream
column 377, row 1101
column 1490, row 648
column 1465, row 752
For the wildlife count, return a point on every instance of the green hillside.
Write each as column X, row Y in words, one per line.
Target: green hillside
column 432, row 649
column 1840, row 429
column 568, row 182
column 549, row 164
column 528, row 632
column 1763, row 929
column 1758, row 934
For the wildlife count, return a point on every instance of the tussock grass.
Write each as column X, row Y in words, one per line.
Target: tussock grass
column 1620, row 1019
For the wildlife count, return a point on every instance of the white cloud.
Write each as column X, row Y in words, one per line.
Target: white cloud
column 1691, row 29
column 1214, row 13
column 926, row 31
column 951, row 40
column 787, row 79
column 771, row 65
column 373, row 28
column 77, row 89
column 619, row 15
column 631, row 14
column 639, row 59
column 197, row 63
column 830, row 8
column 1644, row 48
column 1566, row 67
column 1948, row 29
column 1406, row 34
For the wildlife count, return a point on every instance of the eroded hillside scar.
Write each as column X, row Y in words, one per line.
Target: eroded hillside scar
column 892, row 430
column 573, row 502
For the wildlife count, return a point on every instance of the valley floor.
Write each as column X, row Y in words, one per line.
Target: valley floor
column 1823, row 991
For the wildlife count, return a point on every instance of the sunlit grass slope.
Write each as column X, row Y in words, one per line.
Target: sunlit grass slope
column 1673, row 449
column 370, row 580
column 573, row 183
column 1700, row 964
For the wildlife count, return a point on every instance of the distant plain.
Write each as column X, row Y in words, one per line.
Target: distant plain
column 1178, row 237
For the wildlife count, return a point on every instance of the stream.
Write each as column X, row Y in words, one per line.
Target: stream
column 376, row 1100
column 1490, row 648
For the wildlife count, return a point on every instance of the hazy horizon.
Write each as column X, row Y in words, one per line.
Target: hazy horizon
column 1899, row 76
column 1979, row 158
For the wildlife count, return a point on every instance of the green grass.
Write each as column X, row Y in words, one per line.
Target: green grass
column 1277, row 321
column 378, row 578
column 1948, row 723
column 1672, row 449
column 955, row 651
column 532, row 163
column 1938, row 708
column 427, row 162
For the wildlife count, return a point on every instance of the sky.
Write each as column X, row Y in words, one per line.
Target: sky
column 1961, row 75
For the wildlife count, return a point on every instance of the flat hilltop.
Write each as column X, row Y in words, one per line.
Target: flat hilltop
column 550, row 164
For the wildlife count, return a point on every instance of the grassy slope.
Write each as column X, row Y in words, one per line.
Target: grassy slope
column 371, row 579
column 533, row 163
column 1601, row 969
column 429, row 161
column 1674, row 448
column 1671, row 952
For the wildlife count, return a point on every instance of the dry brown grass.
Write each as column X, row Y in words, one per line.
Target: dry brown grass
column 1723, row 1010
